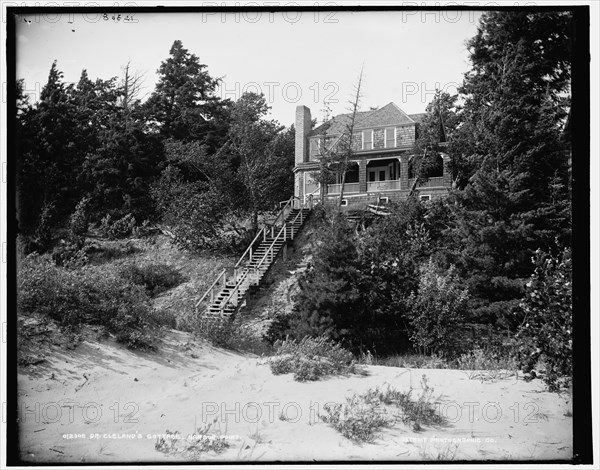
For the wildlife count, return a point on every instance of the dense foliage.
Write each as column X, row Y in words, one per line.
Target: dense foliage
column 438, row 310
column 86, row 295
column 93, row 151
column 546, row 329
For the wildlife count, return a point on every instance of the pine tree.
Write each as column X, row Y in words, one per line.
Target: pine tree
column 516, row 197
column 183, row 102
column 48, row 156
column 434, row 131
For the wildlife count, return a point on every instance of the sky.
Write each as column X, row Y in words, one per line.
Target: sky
column 293, row 58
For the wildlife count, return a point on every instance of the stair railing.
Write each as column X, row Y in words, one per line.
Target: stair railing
column 300, row 215
column 222, row 280
column 250, row 249
column 271, row 248
column 239, row 279
column 230, row 299
column 265, row 231
column 289, row 203
column 244, row 277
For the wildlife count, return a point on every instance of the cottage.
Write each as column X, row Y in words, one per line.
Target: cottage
column 379, row 168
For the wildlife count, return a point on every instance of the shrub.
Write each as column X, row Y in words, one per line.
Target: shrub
column 41, row 238
column 485, row 364
column 355, row 420
column 363, row 415
column 196, row 215
column 70, row 254
column 86, row 296
column 79, row 220
column 163, row 317
column 144, row 230
column 546, row 330
column 277, row 329
column 120, row 228
column 415, row 412
column 437, row 310
column 311, row 358
column 231, row 334
column 106, row 252
column 154, row 277
column 200, row 441
column 412, row 361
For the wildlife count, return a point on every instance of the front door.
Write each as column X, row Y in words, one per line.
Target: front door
column 378, row 174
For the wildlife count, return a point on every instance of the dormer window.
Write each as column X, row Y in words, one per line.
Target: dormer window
column 390, row 137
column 367, row 140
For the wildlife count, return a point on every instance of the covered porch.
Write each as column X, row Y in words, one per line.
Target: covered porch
column 365, row 176
column 375, row 176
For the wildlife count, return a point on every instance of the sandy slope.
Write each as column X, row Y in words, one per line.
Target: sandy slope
column 125, row 393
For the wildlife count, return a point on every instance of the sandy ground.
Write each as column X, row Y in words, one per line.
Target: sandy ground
column 103, row 403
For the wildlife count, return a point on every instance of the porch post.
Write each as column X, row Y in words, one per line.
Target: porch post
column 403, row 171
column 301, row 185
column 362, row 176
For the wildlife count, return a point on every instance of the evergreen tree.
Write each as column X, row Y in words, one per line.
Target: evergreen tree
column 517, row 196
column 183, row 103
column 331, row 300
column 434, row 132
column 48, row 156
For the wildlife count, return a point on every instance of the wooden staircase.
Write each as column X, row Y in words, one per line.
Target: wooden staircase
column 380, row 207
column 228, row 291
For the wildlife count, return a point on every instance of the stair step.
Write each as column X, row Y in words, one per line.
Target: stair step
column 255, row 270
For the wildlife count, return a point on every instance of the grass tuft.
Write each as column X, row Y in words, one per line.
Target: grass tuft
column 363, row 415
column 192, row 446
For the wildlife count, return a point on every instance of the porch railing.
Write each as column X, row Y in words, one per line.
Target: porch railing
column 348, row 188
column 383, row 185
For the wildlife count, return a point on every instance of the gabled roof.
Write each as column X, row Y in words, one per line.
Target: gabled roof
column 388, row 115
column 418, row 118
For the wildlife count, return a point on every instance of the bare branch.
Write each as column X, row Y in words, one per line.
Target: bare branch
column 347, row 151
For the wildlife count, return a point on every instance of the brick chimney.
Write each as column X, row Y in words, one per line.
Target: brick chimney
column 303, row 121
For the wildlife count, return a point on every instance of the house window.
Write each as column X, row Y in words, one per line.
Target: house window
column 425, row 197
column 367, row 143
column 390, row 137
